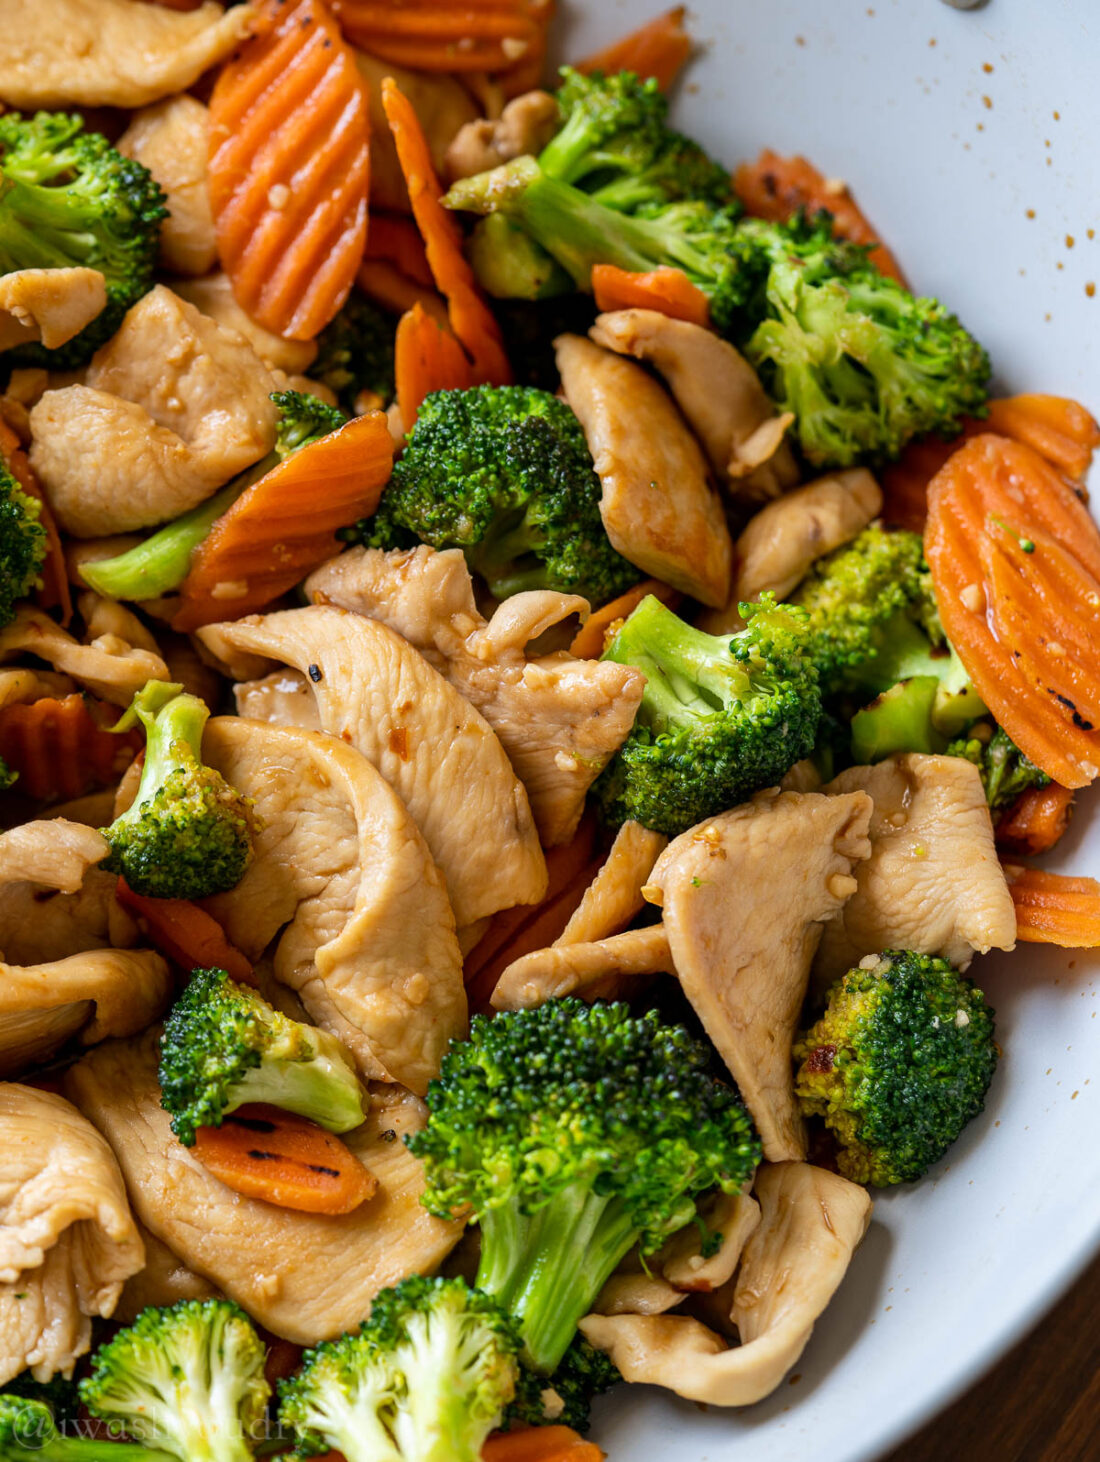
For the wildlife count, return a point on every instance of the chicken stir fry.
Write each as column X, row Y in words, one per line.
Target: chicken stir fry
column 518, row 669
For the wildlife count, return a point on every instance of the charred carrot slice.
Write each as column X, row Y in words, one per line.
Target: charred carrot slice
column 447, row 35
column 776, row 187
column 186, row 934
column 62, row 749
column 289, row 168
column 540, row 1444
column 1052, row 908
column 659, row 49
column 1035, row 821
column 264, row 1152
column 285, row 524
column 1059, row 429
column 1015, row 561
column 472, row 321
column 398, row 240
column 426, row 358
column 590, row 639
column 666, row 290
column 55, row 579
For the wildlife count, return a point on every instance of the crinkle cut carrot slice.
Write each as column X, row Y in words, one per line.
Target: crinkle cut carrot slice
column 61, row 750
column 290, row 168
column 1036, row 821
column 669, row 291
column 427, row 358
column 447, row 35
column 659, row 49
column 1053, row 908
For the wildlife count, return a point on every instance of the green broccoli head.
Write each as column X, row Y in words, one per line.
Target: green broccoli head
column 22, row 543
column 1006, row 771
column 68, row 199
column 188, row 1380
column 29, row 1426
column 303, row 420
column 505, row 474
column 425, row 1379
column 898, row 1064
column 720, row 718
column 571, row 1133
column 566, row 1397
column 188, row 833
column 355, row 352
column 59, row 1394
column 224, row 1045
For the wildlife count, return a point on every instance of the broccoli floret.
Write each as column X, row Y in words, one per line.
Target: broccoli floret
column 188, row 1379
column 505, row 474
column 1006, row 771
column 570, row 1133
column 898, row 1064
column 69, row 199
column 60, row 1395
column 224, row 1045
column 355, row 352
column 188, row 833
column 425, row 1379
column 22, row 543
column 565, row 1398
column 28, row 1427
column 720, row 718
column 303, row 420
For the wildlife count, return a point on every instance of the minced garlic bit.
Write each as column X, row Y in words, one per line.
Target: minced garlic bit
column 973, row 598
column 278, row 196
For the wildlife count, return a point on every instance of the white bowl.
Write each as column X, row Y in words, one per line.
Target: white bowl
column 953, row 128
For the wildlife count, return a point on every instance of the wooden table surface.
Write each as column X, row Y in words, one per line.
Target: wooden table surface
column 1041, row 1403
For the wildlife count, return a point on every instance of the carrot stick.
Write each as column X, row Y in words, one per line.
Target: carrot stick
column 659, row 49
column 776, row 187
column 397, row 239
column 447, row 35
column 290, row 168
column 1035, row 821
column 1054, row 909
column 55, row 578
column 590, row 640
column 472, row 321
column 285, row 524
column 186, row 934
column 62, row 749
column 667, row 290
column 540, row 1444
column 264, row 1152
column 426, row 358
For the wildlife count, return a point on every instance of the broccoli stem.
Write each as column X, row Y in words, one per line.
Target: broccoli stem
column 547, row 1268
column 174, row 723
column 317, row 1089
column 686, row 671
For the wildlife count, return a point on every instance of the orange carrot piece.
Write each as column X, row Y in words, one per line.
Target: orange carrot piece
column 55, row 579
column 447, row 35
column 776, row 187
column 591, row 638
column 264, row 1152
column 659, row 49
column 1054, row 909
column 1059, row 429
column 540, row 1444
column 905, row 482
column 62, row 749
column 385, row 283
column 284, row 525
column 1035, row 821
column 186, row 934
column 283, row 1356
column 1025, row 620
column 392, row 237
column 426, row 358
column 472, row 321
column 290, row 168
column 666, row 290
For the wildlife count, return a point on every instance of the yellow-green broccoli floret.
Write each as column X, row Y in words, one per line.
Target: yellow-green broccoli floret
column 1006, row 771
column 224, row 1045
column 188, row 833
column 425, row 1379
column 898, row 1064
column 22, row 544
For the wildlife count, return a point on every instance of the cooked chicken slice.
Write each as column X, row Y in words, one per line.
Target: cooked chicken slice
column 718, row 392
column 812, row 1222
column 784, row 539
column 636, row 1290
column 165, row 1280
column 658, row 506
column 50, row 305
column 376, row 692
column 593, row 971
column 523, row 128
column 172, row 139
column 734, row 1218
column 283, row 698
column 370, row 944
column 109, row 666
column 171, row 407
column 109, row 53
column 54, row 852
column 745, row 898
column 214, row 297
column 933, row 881
column 308, row 1277
column 559, row 719
column 67, row 1239
column 100, row 993
column 614, row 896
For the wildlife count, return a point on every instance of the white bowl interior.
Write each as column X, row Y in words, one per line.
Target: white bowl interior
column 970, row 139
